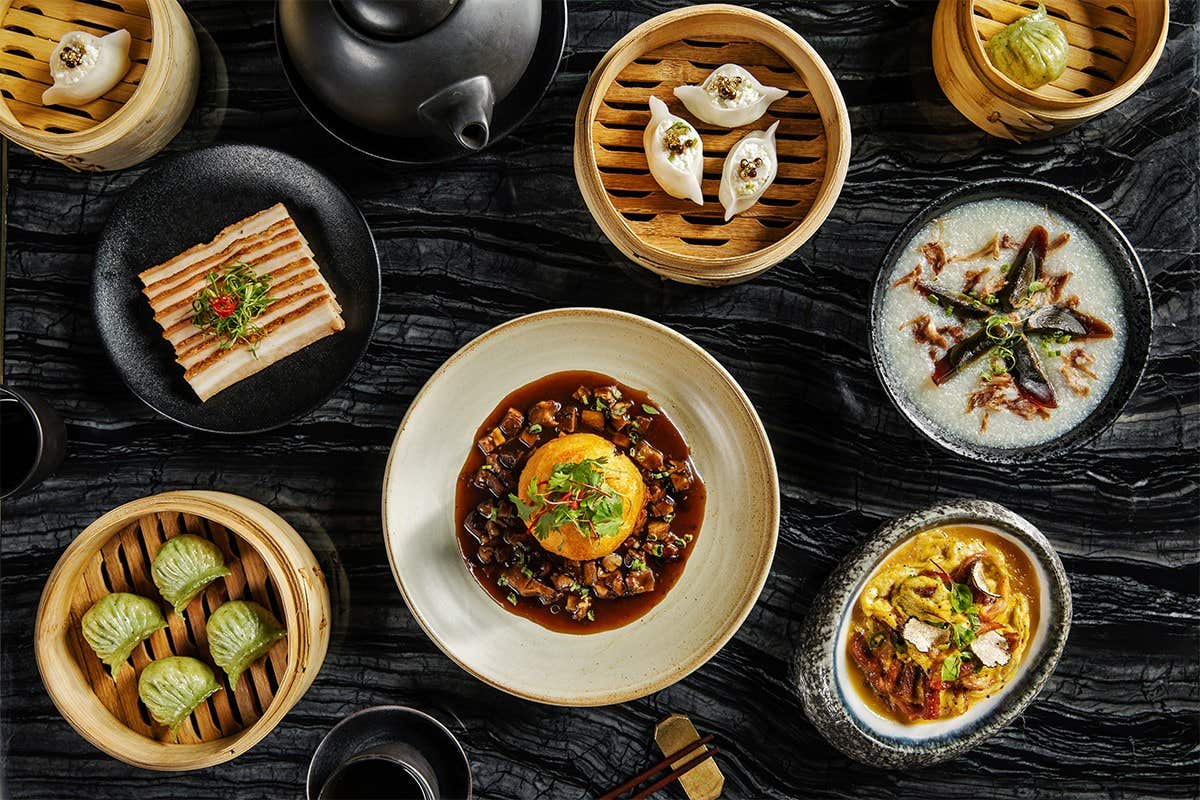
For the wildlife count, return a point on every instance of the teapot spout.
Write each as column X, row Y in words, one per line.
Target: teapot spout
column 462, row 112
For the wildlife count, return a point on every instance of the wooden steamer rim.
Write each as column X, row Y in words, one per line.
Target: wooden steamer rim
column 147, row 120
column 735, row 24
column 299, row 586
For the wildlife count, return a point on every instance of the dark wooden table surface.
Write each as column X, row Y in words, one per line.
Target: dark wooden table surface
column 470, row 245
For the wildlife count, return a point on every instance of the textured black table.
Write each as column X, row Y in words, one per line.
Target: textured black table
column 470, row 245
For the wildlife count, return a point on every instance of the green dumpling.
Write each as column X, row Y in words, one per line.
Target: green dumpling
column 172, row 687
column 117, row 623
column 184, row 566
column 240, row 633
column 1032, row 50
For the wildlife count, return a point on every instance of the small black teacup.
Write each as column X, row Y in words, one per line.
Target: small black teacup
column 392, row 771
column 34, row 441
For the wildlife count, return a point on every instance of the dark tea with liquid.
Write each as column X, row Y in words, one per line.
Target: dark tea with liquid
column 374, row 779
column 18, row 444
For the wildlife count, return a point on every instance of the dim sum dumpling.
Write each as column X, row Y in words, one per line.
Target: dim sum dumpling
column 730, row 97
column 674, row 152
column 85, row 67
column 117, row 623
column 749, row 169
column 1032, row 50
column 184, row 566
column 240, row 633
column 172, row 687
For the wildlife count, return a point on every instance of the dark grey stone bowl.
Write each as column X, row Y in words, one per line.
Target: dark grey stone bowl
column 822, row 670
column 1129, row 274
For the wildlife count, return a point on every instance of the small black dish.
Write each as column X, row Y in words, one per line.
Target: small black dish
column 384, row 725
column 1129, row 274
column 186, row 201
column 506, row 116
column 34, row 441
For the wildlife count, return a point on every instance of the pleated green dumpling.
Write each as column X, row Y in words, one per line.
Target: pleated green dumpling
column 172, row 687
column 117, row 623
column 239, row 633
column 1032, row 50
column 184, row 566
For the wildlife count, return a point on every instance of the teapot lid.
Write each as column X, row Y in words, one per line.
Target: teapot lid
column 388, row 19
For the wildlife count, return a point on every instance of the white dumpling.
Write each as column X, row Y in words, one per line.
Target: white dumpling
column 674, row 152
column 730, row 97
column 749, row 169
column 85, row 67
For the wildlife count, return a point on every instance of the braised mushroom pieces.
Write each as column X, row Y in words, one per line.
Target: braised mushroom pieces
column 579, row 503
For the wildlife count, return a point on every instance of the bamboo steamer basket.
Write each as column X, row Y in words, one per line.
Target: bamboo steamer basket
column 1114, row 46
column 269, row 563
column 135, row 119
column 676, row 238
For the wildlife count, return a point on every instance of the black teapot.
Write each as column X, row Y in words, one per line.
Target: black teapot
column 412, row 68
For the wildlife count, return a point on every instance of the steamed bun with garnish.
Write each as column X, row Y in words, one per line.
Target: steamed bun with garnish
column 579, row 496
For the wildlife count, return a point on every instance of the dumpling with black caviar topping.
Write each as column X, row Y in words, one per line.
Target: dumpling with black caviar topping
column 117, row 623
column 675, row 153
column 85, row 67
column 730, row 97
column 749, row 171
column 184, row 566
column 239, row 633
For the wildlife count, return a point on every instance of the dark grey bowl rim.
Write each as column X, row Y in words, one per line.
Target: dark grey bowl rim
column 1137, row 351
column 388, row 709
column 822, row 698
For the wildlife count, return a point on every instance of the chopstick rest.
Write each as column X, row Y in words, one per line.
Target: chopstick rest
column 688, row 759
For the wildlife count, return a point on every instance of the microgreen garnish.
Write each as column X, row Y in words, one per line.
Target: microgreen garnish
column 575, row 493
column 512, row 598
column 651, row 410
column 230, row 302
column 535, row 428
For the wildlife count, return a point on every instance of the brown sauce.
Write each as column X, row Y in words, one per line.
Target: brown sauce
column 684, row 523
column 1023, row 581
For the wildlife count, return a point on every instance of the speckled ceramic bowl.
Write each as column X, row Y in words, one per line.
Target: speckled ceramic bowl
column 822, row 668
column 1127, row 269
column 722, row 578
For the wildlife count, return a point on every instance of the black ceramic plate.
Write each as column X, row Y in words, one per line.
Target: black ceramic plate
column 507, row 115
column 188, row 200
column 1127, row 269
column 375, row 726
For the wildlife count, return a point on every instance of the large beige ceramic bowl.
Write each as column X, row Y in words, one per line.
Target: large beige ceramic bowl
column 722, row 578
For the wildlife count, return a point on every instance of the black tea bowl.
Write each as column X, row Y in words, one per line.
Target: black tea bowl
column 34, row 441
